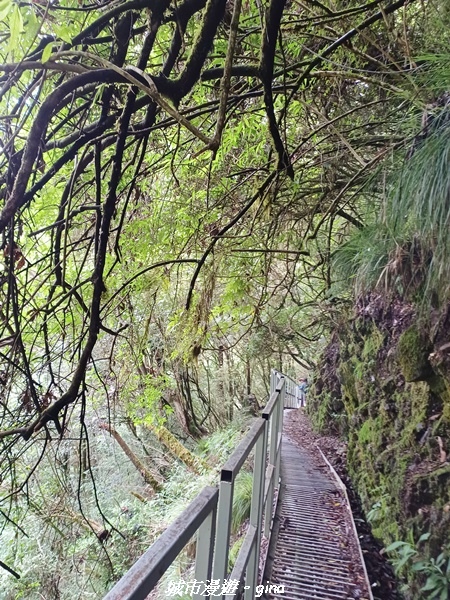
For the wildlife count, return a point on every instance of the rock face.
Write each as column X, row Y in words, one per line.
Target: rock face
column 384, row 384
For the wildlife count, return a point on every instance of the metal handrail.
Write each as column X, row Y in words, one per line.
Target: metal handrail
column 209, row 515
column 148, row 570
column 295, row 397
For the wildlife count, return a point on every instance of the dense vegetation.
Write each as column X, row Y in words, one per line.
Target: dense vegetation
column 192, row 192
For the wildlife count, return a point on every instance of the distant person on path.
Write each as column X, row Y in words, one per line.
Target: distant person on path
column 303, row 388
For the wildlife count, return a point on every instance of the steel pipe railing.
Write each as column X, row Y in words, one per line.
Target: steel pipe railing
column 199, row 517
column 294, row 396
column 209, row 515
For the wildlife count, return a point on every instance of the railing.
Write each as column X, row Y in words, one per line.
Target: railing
column 295, row 397
column 209, row 515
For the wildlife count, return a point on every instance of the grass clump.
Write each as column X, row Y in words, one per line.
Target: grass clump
column 407, row 250
column 242, row 500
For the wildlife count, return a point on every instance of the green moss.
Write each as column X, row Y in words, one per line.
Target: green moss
column 430, row 490
column 420, row 400
column 322, row 415
column 347, row 378
column 370, row 432
column 439, row 386
column 446, row 412
column 412, row 355
column 393, row 426
column 388, row 530
column 413, row 405
column 372, row 344
column 327, row 414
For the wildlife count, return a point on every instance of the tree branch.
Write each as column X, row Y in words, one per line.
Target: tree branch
column 261, row 190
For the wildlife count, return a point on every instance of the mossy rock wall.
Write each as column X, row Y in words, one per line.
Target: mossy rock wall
column 384, row 383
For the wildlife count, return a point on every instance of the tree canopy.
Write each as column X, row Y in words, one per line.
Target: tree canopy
column 175, row 179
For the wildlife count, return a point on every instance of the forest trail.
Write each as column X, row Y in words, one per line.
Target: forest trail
column 314, row 550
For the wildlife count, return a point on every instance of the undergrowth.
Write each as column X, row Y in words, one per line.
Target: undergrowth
column 242, row 499
column 406, row 249
column 434, row 572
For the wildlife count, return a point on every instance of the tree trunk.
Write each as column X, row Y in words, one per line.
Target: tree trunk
column 221, row 395
column 175, row 401
column 176, row 448
column 148, row 477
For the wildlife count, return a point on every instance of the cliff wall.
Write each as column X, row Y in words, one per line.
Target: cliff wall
column 383, row 382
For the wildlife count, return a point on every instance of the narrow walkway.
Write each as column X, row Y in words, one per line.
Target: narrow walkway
column 314, row 552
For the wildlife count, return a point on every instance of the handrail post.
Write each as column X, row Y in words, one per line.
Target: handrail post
column 276, row 422
column 259, row 469
column 223, row 528
column 204, row 551
column 269, row 508
column 279, row 426
column 274, row 419
column 273, row 381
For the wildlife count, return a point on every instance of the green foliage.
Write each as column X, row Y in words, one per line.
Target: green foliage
column 434, row 73
column 403, row 552
column 437, row 572
column 412, row 354
column 406, row 558
column 234, row 552
column 144, row 407
column 407, row 249
column 379, row 510
column 362, row 258
column 326, row 413
column 217, row 446
column 55, row 536
column 242, row 499
column 322, row 416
